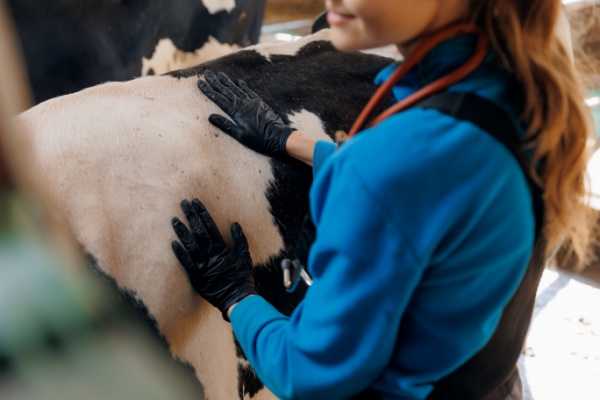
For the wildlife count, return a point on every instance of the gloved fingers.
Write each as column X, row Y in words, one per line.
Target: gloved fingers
column 222, row 101
column 217, row 242
column 226, row 126
column 228, row 83
column 201, row 235
column 249, row 92
column 240, row 243
column 187, row 239
column 184, row 259
column 215, row 82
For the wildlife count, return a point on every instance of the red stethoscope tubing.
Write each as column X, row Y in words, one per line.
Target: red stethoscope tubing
column 416, row 57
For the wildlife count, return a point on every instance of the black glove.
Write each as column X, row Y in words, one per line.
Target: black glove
column 221, row 275
column 255, row 124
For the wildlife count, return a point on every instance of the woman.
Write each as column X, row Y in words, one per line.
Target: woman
column 426, row 221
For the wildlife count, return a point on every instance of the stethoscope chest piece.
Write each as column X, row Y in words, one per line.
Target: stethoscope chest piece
column 293, row 273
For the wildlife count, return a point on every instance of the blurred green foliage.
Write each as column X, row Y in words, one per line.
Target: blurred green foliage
column 69, row 335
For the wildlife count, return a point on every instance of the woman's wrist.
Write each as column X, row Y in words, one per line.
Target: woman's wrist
column 230, row 310
column 301, row 146
column 232, row 307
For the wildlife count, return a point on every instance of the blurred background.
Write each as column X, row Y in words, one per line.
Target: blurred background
column 291, row 10
column 69, row 334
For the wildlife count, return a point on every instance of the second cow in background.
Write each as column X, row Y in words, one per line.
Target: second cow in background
column 70, row 45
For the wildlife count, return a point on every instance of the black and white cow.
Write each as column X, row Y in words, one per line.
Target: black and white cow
column 119, row 157
column 73, row 44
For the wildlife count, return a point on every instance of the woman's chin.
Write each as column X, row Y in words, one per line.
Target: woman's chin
column 344, row 41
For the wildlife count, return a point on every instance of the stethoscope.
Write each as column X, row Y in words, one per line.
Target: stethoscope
column 293, row 270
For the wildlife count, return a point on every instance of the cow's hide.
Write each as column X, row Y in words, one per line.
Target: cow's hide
column 120, row 157
column 70, row 45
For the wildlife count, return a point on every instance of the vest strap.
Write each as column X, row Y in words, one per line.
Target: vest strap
column 491, row 373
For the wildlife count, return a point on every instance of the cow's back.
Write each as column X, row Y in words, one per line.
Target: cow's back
column 118, row 157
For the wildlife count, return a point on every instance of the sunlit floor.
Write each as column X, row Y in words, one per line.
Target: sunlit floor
column 562, row 356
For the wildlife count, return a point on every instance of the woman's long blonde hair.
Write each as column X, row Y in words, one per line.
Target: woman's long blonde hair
column 523, row 32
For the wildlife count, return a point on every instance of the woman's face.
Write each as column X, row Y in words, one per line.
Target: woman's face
column 362, row 24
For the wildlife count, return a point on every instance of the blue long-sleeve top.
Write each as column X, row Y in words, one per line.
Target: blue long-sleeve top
column 424, row 231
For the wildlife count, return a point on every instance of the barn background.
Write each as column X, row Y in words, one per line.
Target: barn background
column 286, row 10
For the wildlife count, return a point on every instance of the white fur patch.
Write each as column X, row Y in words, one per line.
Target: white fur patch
column 214, row 6
column 310, row 124
column 387, row 51
column 167, row 57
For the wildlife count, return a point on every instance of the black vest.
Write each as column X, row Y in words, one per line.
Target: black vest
column 492, row 374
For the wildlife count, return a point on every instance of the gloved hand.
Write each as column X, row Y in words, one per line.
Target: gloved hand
column 221, row 275
column 255, row 124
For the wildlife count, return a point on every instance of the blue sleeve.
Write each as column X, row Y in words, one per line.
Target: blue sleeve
column 323, row 150
column 341, row 337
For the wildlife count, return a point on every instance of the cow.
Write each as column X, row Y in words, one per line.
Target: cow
column 119, row 157
column 70, row 45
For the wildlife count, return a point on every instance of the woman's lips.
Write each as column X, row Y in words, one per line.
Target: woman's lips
column 336, row 19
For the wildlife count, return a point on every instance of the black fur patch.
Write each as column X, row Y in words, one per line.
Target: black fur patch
column 248, row 382
column 239, row 352
column 331, row 84
column 73, row 44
